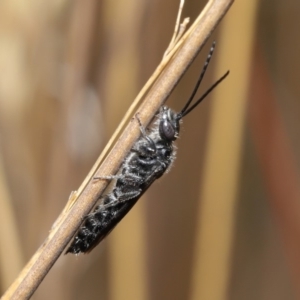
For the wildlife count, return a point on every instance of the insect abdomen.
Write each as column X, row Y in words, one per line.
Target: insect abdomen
column 98, row 225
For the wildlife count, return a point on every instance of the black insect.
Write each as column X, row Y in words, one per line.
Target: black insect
column 151, row 157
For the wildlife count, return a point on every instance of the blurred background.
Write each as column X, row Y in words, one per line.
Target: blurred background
column 225, row 223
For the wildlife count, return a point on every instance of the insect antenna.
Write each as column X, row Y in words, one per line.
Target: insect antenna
column 211, row 51
column 204, row 95
column 185, row 109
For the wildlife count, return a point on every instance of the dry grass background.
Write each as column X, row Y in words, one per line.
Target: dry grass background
column 224, row 224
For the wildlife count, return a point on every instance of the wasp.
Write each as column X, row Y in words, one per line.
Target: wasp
column 151, row 156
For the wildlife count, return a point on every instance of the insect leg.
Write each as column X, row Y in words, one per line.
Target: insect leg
column 152, row 147
column 118, row 199
column 142, row 128
column 110, row 177
column 129, row 195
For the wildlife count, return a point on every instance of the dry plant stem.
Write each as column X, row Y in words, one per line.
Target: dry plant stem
column 176, row 29
column 32, row 275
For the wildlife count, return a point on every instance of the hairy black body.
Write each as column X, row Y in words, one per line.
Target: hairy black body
column 151, row 157
column 148, row 160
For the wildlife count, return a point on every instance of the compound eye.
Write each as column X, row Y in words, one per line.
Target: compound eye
column 167, row 131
